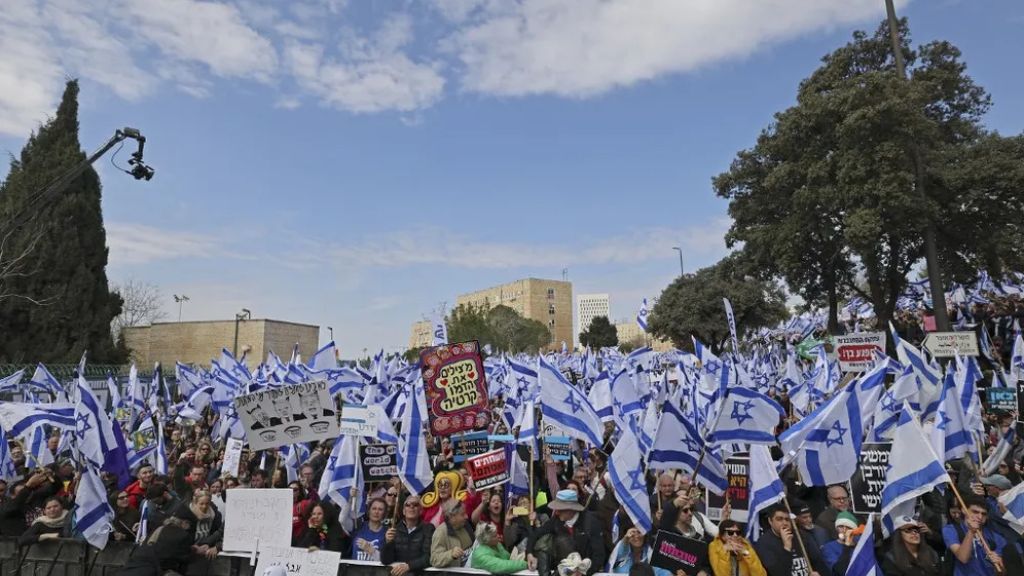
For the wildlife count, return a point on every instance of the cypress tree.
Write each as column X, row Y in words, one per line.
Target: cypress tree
column 61, row 305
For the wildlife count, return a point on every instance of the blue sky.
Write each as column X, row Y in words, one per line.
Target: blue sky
column 357, row 163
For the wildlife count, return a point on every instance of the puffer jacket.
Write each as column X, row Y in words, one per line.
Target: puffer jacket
column 412, row 548
column 495, row 560
column 721, row 563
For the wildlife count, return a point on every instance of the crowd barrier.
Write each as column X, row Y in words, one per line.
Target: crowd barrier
column 77, row 558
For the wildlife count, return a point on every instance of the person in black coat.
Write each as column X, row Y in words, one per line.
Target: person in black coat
column 407, row 543
column 51, row 525
column 570, row 530
column 322, row 531
column 24, row 495
column 781, row 554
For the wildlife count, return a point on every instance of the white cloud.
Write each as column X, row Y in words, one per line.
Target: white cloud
column 440, row 247
column 580, row 48
column 28, row 68
column 134, row 244
column 370, row 74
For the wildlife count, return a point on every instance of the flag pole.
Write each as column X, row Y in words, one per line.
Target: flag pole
column 796, row 533
column 963, row 506
column 532, row 499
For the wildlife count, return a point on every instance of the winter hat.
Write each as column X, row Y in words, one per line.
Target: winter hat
column 846, row 518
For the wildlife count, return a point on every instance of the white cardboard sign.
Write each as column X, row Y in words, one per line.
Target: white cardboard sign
column 298, row 561
column 232, row 457
column 258, row 515
column 288, row 415
column 358, row 420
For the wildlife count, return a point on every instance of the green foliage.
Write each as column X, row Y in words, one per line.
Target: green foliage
column 692, row 305
column 412, row 354
column 599, row 334
column 830, row 192
column 66, row 246
column 632, row 344
column 501, row 327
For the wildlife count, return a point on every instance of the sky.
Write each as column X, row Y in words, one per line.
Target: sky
column 359, row 163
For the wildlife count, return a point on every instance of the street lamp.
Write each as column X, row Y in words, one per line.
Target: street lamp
column 181, row 302
column 680, row 250
column 331, row 330
column 245, row 314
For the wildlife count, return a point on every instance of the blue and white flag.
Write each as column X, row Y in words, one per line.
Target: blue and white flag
column 863, row 561
column 641, row 316
column 115, row 393
column 17, row 418
column 12, row 382
column 8, row 470
column 950, row 438
column 413, row 461
column 906, row 388
column 43, row 381
column 1014, row 502
column 565, row 405
column 991, row 463
column 95, row 437
column 628, row 484
column 914, row 469
column 324, row 359
column 601, row 397
column 439, row 329
column 765, row 488
column 678, row 445
column 625, row 400
column 92, row 513
column 746, row 416
column 341, row 475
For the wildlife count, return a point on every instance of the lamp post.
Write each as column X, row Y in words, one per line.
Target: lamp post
column 680, row 250
column 245, row 314
column 181, row 302
column 331, row 330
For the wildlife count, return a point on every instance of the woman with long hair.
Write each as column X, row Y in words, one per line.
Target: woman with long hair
column 300, row 509
column 126, row 518
column 448, row 486
column 631, row 550
column 491, row 510
column 908, row 557
column 321, row 532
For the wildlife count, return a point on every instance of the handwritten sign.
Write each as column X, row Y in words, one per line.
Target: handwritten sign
column 558, row 447
column 298, row 561
column 358, row 420
column 456, row 388
column 869, row 479
column 288, row 415
column 261, row 515
column 472, row 444
column 738, row 474
column 857, row 352
column 489, row 469
column 948, row 344
column 379, row 462
column 232, row 457
column 675, row 552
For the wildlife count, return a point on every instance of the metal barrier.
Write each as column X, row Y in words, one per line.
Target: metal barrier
column 76, row 558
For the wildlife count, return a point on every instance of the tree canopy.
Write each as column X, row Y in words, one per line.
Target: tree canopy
column 600, row 333
column 692, row 305
column 60, row 306
column 501, row 327
column 829, row 198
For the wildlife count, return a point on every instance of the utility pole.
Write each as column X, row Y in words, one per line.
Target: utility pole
column 931, row 251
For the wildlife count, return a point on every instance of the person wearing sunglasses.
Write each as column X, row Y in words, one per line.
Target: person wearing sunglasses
column 908, row 556
column 731, row 555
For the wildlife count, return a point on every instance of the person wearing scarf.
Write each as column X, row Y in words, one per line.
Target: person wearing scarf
column 50, row 526
column 320, row 533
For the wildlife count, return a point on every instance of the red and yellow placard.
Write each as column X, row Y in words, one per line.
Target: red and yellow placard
column 456, row 390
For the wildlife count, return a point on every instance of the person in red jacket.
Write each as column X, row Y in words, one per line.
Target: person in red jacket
column 137, row 490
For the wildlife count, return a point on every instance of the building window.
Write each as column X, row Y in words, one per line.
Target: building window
column 551, row 308
column 551, row 323
column 551, row 293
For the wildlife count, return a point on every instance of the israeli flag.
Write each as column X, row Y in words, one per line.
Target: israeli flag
column 747, row 416
column 43, row 381
column 732, row 325
column 629, row 486
column 907, row 388
column 914, row 469
column 95, row 437
column 324, row 359
column 413, row 462
column 765, row 488
column 92, row 513
column 1014, row 502
column 12, row 382
column 641, row 316
column 564, row 404
column 863, row 561
column 950, row 436
column 601, row 398
column 625, row 400
column 17, row 418
column 8, row 470
column 439, row 329
column 678, row 445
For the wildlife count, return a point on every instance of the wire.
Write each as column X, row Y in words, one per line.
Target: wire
column 114, row 155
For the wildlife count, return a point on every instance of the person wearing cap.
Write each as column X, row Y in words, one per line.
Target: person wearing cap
column 963, row 539
column 569, row 530
column 837, row 552
column 908, row 555
column 994, row 486
column 805, row 521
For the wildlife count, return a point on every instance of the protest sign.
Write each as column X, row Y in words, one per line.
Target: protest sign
column 857, row 352
column 489, row 469
column 738, row 469
column 558, row 447
column 379, row 462
column 261, row 515
column 143, row 439
column 1001, row 399
column 869, row 479
column 456, row 390
column 470, row 445
column 288, row 415
column 358, row 420
column 675, row 552
column 298, row 561
column 948, row 344
column 232, row 457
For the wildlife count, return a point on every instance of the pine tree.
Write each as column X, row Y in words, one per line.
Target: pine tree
column 61, row 304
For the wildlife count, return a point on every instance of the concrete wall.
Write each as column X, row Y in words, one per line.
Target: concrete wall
column 199, row 342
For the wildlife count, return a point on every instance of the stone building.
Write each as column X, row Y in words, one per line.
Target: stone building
column 588, row 307
column 422, row 335
column 200, row 342
column 547, row 301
